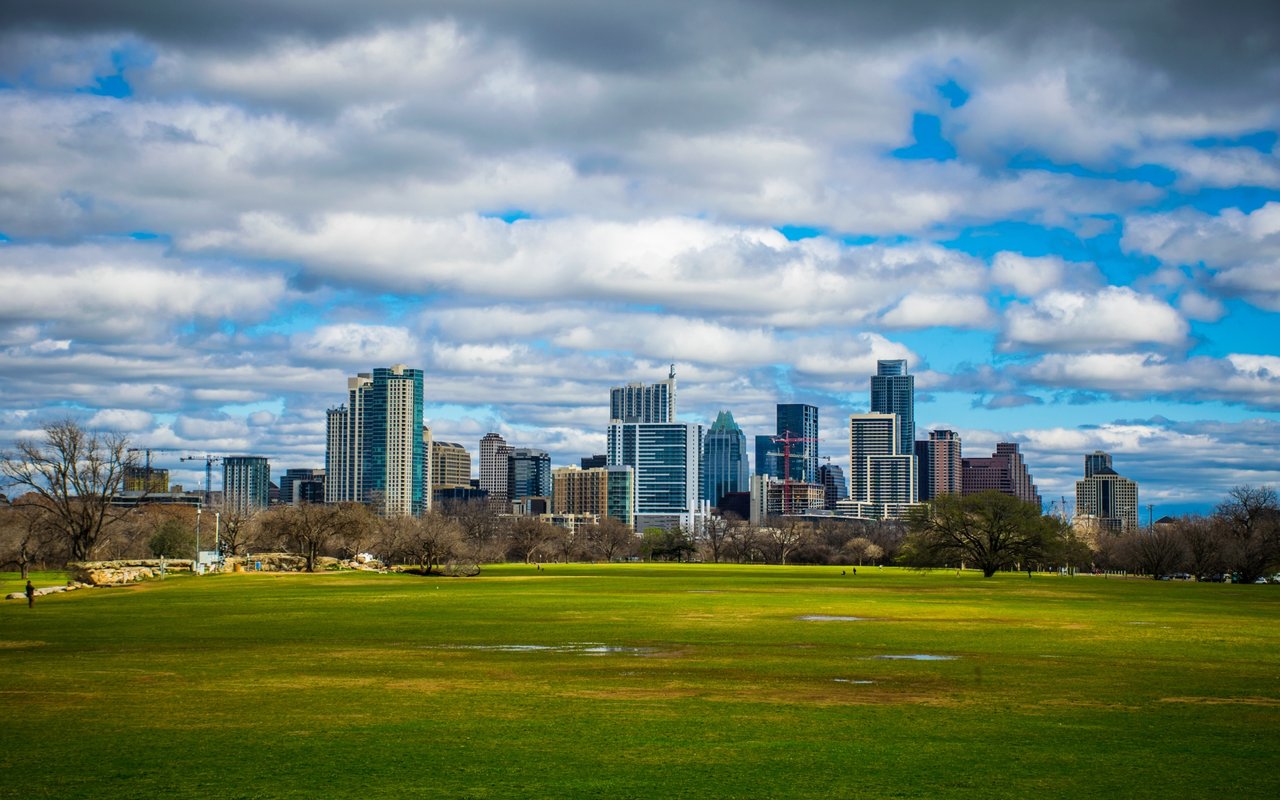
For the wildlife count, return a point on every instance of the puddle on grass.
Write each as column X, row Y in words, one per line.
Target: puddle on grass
column 829, row 618
column 855, row 682
column 917, row 657
column 580, row 648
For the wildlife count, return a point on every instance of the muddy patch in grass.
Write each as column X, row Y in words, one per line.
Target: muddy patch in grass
column 916, row 657
column 832, row 618
column 579, row 648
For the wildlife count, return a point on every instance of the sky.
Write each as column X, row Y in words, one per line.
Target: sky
column 1065, row 216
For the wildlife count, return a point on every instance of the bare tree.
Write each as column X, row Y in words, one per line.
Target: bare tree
column 743, row 542
column 858, row 548
column 74, row 473
column 427, row 541
column 236, row 531
column 1153, row 552
column 1201, row 545
column 357, row 531
column 1250, row 525
column 529, row 538
column 782, row 536
column 714, row 536
column 310, row 528
column 610, row 539
column 25, row 540
column 481, row 529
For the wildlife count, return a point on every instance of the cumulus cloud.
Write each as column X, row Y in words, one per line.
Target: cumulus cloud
column 1241, row 249
column 1029, row 276
column 356, row 345
column 120, row 289
column 120, row 419
column 679, row 262
column 1242, row 378
column 1114, row 317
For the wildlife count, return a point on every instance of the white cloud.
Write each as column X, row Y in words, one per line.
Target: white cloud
column 356, row 345
column 1242, row 250
column 1239, row 378
column 1113, row 317
column 121, row 289
column 1201, row 307
column 928, row 310
column 1029, row 276
column 120, row 419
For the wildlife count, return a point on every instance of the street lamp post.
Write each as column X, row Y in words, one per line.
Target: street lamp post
column 217, row 533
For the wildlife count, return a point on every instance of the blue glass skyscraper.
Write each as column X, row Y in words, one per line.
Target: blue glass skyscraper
column 893, row 391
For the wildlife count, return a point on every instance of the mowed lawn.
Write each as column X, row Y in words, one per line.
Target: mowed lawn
column 645, row 681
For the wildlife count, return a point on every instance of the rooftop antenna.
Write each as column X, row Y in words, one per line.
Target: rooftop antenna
column 671, row 375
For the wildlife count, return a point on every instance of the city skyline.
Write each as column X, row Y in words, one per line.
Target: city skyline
column 1064, row 218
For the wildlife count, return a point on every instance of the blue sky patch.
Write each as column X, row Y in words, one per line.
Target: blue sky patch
column 929, row 142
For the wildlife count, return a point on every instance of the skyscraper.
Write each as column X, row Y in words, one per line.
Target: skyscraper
column 800, row 421
column 246, row 482
column 940, row 464
column 833, row 482
column 493, row 467
column 528, row 473
column 893, row 391
column 1004, row 472
column 637, row 402
column 344, row 450
column 375, row 452
column 450, row 465
column 724, row 459
column 768, row 462
column 1105, row 501
column 667, row 462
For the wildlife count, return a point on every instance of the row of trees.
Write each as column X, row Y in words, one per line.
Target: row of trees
column 1241, row 537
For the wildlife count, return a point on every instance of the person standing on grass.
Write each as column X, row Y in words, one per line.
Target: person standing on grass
column 31, row 595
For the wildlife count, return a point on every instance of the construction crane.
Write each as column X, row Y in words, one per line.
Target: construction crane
column 146, row 481
column 786, row 439
column 209, row 461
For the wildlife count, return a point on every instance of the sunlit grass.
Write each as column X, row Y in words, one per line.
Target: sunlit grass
column 642, row 681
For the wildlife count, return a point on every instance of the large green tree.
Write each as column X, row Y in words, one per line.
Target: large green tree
column 990, row 531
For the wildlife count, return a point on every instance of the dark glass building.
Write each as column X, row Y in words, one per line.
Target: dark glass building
column 724, row 460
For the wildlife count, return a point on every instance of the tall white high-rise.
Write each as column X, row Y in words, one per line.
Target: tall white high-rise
column 494, row 451
column 638, row 402
column 882, row 480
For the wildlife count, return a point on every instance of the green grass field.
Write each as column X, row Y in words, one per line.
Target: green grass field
column 642, row 681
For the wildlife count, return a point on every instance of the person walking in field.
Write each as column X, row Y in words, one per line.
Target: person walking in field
column 31, row 595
